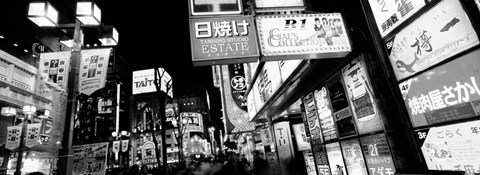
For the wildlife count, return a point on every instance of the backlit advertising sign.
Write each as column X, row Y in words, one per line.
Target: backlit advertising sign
column 440, row 33
column 377, row 153
column 303, row 142
column 390, row 14
column 268, row 81
column 225, row 40
column 446, row 93
column 325, row 114
column 194, row 121
column 339, row 102
column 335, row 158
column 143, row 81
column 352, row 154
column 361, row 96
column 278, row 3
column 453, row 147
column 214, row 7
column 302, row 36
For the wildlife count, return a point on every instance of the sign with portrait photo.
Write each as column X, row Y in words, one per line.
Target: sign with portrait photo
column 438, row 34
column 353, row 156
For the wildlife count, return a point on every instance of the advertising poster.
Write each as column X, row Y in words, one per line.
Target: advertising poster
column 390, row 14
column 53, row 72
column 335, row 159
column 301, row 138
column 266, row 136
column 361, row 96
column 321, row 35
column 325, row 114
column 148, row 153
column 13, row 137
column 194, row 121
column 93, row 70
column 419, row 46
column 90, row 159
column 225, row 40
column 319, row 151
column 283, row 140
column 33, row 133
column 143, row 81
column 339, row 102
column 237, row 118
column 446, row 93
column 287, row 67
column 377, row 154
column 268, row 81
column 125, row 144
column 278, row 3
column 352, row 154
column 453, row 147
column 215, row 7
column 309, row 162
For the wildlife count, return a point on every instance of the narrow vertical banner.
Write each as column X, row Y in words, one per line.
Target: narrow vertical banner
column 377, row 154
column 335, row 158
column 33, row 133
column 116, row 146
column 125, row 145
column 13, row 137
column 352, row 154
column 52, row 73
column 93, row 70
column 303, row 143
column 325, row 114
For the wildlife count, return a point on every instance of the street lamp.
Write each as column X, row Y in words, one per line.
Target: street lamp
column 9, row 111
column 87, row 14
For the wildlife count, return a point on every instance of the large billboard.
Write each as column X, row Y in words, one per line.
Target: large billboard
column 302, row 36
column 225, row 40
column 440, row 33
column 143, row 81
column 446, row 93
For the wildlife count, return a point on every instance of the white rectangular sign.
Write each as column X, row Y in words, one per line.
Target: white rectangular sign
column 53, row 73
column 143, row 81
column 93, row 70
column 303, row 142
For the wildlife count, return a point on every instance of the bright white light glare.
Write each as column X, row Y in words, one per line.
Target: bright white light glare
column 15, row 44
column 111, row 39
column 25, row 50
column 42, row 16
column 1, row 36
column 88, row 13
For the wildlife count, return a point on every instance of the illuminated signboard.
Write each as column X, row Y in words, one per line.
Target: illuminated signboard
column 287, row 67
column 335, row 158
column 452, row 147
column 446, row 93
column 319, row 151
column 303, row 143
column 214, row 7
column 268, row 81
column 237, row 119
column 194, row 121
column 90, row 158
column 325, row 114
column 278, row 3
column 361, row 97
column 339, row 102
column 390, row 14
column 302, row 36
column 224, row 40
column 143, row 81
column 352, row 154
column 377, row 154
column 440, row 33
column 283, row 140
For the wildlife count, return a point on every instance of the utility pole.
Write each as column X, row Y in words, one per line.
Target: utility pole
column 161, row 96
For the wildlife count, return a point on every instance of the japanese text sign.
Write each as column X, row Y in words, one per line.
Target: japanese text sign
column 390, row 14
column 440, row 33
column 283, row 140
column 214, row 7
column 361, row 96
column 325, row 114
column 303, row 142
column 53, row 73
column 195, row 121
column 445, row 93
column 453, row 147
column 302, row 36
column 335, row 158
column 377, row 154
column 339, row 102
column 223, row 40
column 268, row 81
column 353, row 156
column 93, row 70
column 90, row 159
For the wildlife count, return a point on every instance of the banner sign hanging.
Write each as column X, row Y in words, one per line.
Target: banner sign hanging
column 419, row 46
column 13, row 137
column 90, row 159
column 125, row 144
column 302, row 36
column 93, row 70
column 53, row 73
column 238, row 85
column 116, row 146
column 33, row 133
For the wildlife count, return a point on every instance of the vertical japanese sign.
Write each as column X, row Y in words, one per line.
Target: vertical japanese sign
column 13, row 137
column 283, row 140
column 33, row 133
column 446, row 93
column 52, row 73
column 341, row 110
column 125, row 144
column 238, row 85
column 390, row 14
column 377, row 154
column 319, row 151
column 237, row 118
column 420, row 46
column 90, row 159
column 224, row 40
column 352, row 154
column 361, row 96
column 453, row 147
column 93, row 70
column 116, row 146
column 335, row 158
column 301, row 138
column 268, row 81
column 325, row 114
column 266, row 136
column 194, row 121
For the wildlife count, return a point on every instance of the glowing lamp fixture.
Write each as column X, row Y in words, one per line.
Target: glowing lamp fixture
column 43, row 14
column 88, row 13
column 114, row 134
column 184, row 120
column 9, row 111
column 109, row 36
column 29, row 109
column 46, row 114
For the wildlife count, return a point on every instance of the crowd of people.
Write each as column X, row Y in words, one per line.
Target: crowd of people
column 231, row 164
